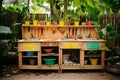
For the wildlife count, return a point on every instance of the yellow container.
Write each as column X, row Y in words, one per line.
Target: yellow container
column 48, row 23
column 76, row 23
column 27, row 23
column 93, row 61
column 35, row 22
column 61, row 23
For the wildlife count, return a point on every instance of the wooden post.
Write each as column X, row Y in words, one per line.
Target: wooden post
column 82, row 58
column 102, row 58
column 20, row 59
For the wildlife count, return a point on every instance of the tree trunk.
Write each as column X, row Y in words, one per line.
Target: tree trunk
column 65, row 8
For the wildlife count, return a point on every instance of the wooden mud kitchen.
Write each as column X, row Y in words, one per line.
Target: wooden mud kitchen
column 60, row 47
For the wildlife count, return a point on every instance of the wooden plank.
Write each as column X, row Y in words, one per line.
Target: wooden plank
column 20, row 59
column 70, row 66
column 39, row 58
column 103, row 58
column 82, row 58
column 93, row 67
column 29, row 67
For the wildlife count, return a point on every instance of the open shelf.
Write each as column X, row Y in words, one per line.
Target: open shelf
column 79, row 26
column 50, row 54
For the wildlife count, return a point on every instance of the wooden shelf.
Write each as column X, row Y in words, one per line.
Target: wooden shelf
column 29, row 67
column 93, row 56
column 30, row 56
column 51, row 67
column 79, row 26
column 93, row 67
column 70, row 66
column 50, row 54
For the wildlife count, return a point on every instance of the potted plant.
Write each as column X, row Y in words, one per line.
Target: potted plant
column 35, row 21
column 27, row 19
column 76, row 21
column 93, row 57
column 48, row 21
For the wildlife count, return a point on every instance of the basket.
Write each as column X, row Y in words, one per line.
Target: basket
column 30, row 53
column 49, row 61
column 93, row 45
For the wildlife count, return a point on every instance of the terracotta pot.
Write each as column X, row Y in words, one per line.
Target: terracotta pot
column 32, row 61
column 83, row 23
column 54, row 22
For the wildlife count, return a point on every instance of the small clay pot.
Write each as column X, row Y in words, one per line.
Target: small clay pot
column 32, row 61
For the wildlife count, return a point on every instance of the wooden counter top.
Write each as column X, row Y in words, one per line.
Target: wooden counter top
column 62, row 40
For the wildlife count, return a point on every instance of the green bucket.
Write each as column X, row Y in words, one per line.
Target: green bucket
column 49, row 61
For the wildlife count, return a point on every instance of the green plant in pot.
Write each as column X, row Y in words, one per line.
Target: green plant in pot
column 93, row 57
column 48, row 21
column 34, row 20
column 33, row 15
column 76, row 21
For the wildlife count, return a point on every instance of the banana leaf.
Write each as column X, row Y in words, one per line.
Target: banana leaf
column 5, row 30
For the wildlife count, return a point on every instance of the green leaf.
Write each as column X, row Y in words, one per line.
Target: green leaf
column 5, row 30
column 76, row 3
column 109, row 28
column 82, row 1
column 25, row 10
column 11, row 8
column 90, row 3
column 101, row 9
column 6, row 50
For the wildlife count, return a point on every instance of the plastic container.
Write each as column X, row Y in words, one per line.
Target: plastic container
column 30, row 53
column 48, row 50
column 49, row 61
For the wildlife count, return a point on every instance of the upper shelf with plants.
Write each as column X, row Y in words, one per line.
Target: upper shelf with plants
column 44, row 26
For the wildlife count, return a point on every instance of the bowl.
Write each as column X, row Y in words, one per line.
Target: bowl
column 49, row 61
column 48, row 50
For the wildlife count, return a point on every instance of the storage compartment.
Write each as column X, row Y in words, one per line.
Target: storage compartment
column 71, row 56
column 49, row 49
column 30, row 61
column 89, row 56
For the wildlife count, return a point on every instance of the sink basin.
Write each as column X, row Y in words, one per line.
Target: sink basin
column 89, row 38
column 67, row 39
column 32, row 39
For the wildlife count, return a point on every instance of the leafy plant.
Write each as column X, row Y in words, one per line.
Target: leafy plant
column 108, row 33
column 92, row 53
column 4, row 47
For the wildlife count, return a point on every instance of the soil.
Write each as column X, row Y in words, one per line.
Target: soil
column 12, row 72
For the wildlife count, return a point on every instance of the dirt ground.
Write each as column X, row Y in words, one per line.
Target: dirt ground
column 12, row 72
